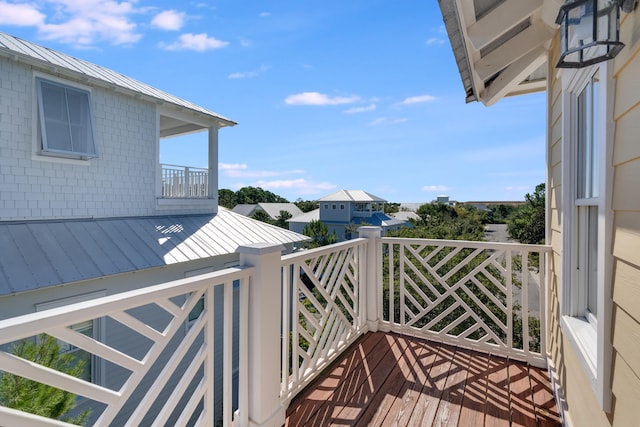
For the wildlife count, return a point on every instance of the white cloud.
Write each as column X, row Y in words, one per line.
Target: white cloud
column 418, row 99
column 434, row 40
column 264, row 14
column 197, row 42
column 315, row 98
column 245, row 42
column 388, row 121
column 355, row 110
column 232, row 166
column 248, row 74
column 20, row 15
column 436, row 188
column 519, row 188
column 243, row 173
column 83, row 23
column 171, row 20
column 300, row 186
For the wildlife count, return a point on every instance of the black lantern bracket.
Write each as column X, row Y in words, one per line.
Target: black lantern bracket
column 590, row 31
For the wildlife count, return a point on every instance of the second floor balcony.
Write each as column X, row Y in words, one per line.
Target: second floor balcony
column 184, row 182
column 336, row 335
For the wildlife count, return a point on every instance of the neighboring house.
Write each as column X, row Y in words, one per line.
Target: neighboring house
column 298, row 223
column 86, row 208
column 405, row 216
column 593, row 174
column 271, row 209
column 345, row 210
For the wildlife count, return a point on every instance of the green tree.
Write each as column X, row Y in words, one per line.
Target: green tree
column 319, row 233
column 498, row 214
column 281, row 220
column 226, row 198
column 306, row 205
column 527, row 223
column 391, row 208
column 31, row 396
column 252, row 195
column 261, row 215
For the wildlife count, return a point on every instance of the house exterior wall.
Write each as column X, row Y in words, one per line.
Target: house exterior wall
column 583, row 407
column 121, row 181
column 335, row 215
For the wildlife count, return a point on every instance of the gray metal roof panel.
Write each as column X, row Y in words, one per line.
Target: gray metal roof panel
column 14, row 46
column 37, row 254
column 351, row 196
column 273, row 209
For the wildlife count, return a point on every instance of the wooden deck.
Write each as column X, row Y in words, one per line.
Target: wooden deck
column 390, row 379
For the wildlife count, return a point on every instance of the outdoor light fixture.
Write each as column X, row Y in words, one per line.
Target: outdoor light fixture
column 590, row 31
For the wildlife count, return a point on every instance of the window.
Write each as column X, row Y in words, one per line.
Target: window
column 585, row 293
column 66, row 123
column 586, row 204
column 333, row 207
column 93, row 366
column 342, row 206
column 326, row 206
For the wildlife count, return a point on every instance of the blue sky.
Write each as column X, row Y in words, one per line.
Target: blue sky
column 358, row 94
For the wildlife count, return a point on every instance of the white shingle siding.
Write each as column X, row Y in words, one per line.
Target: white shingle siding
column 120, row 182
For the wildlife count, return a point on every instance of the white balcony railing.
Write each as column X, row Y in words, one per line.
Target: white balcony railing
column 297, row 313
column 184, row 182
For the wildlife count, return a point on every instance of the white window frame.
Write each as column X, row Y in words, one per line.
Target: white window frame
column 41, row 149
column 98, row 369
column 589, row 335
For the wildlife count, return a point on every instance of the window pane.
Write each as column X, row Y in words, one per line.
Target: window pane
column 588, row 154
column 65, row 119
column 592, row 259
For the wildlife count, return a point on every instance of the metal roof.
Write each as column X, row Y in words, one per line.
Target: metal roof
column 351, row 196
column 273, row 209
column 51, row 60
column 37, row 254
column 306, row 217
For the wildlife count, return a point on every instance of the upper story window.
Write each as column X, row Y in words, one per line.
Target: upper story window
column 66, row 120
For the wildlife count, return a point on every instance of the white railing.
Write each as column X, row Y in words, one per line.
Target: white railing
column 184, row 182
column 323, row 309
column 297, row 313
column 170, row 347
column 485, row 296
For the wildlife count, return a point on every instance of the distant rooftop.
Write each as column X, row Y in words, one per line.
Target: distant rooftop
column 351, row 196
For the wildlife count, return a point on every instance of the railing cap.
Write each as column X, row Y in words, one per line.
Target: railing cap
column 260, row 248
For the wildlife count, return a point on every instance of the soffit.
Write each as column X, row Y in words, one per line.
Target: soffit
column 500, row 46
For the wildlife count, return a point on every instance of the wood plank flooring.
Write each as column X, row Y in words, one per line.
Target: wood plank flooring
column 396, row 380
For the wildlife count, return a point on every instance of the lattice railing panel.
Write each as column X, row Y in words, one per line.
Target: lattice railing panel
column 322, row 311
column 158, row 347
column 472, row 294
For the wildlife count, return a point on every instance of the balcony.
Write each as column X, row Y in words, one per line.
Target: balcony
column 349, row 333
column 184, row 182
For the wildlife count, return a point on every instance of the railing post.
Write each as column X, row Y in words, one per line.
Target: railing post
column 187, row 182
column 370, row 288
column 265, row 407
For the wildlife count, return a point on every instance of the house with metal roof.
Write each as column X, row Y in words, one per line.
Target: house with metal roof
column 271, row 209
column 87, row 209
column 345, row 210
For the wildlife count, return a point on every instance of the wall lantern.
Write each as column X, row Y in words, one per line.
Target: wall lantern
column 589, row 31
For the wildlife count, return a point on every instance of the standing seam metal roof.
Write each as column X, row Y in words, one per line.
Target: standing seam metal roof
column 14, row 47
column 37, row 254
